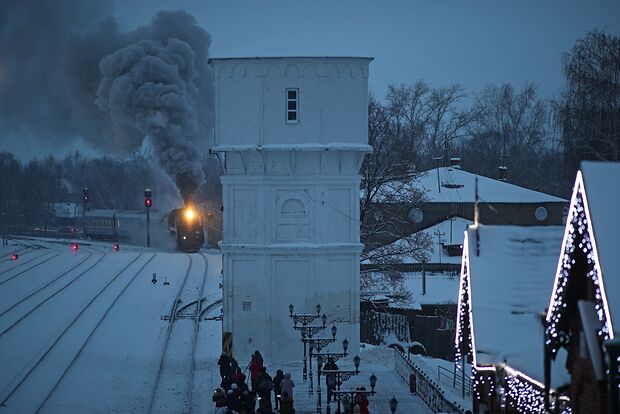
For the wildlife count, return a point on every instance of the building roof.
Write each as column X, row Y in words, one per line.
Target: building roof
column 451, row 232
column 440, row 289
column 458, row 186
column 602, row 202
column 510, row 282
column 290, row 45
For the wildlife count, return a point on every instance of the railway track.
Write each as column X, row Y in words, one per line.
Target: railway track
column 24, row 263
column 177, row 313
column 37, row 306
column 13, row 388
column 91, row 333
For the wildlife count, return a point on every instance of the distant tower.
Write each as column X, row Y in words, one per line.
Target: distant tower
column 293, row 133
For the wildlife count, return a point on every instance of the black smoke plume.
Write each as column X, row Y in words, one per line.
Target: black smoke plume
column 64, row 68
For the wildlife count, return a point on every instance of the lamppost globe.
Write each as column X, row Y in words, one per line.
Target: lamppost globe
column 324, row 320
column 334, row 331
column 356, row 361
column 291, row 308
column 345, row 345
column 318, row 309
column 373, row 381
column 393, row 404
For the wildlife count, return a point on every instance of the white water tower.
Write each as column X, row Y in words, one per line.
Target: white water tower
column 292, row 133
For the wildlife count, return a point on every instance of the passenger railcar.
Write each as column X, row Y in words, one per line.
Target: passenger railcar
column 186, row 226
column 114, row 224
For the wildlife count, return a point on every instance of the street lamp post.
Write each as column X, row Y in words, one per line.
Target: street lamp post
column 305, row 319
column 319, row 361
column 318, row 344
column 349, row 396
column 335, row 378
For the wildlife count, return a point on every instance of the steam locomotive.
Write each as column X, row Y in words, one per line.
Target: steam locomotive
column 187, row 227
column 185, row 224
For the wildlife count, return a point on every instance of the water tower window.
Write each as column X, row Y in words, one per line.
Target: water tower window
column 292, row 106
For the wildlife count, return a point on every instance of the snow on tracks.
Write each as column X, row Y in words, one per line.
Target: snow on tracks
column 174, row 382
column 41, row 350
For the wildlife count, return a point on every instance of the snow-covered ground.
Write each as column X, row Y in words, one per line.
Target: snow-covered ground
column 86, row 332
column 83, row 331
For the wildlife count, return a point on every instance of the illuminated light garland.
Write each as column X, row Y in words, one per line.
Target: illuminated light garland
column 578, row 234
column 521, row 391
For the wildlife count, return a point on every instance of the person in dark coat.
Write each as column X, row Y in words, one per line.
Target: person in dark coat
column 219, row 398
column 255, row 368
column 287, row 385
column 330, row 365
column 231, row 401
column 264, row 388
column 286, row 404
column 224, row 363
column 276, row 386
column 247, row 403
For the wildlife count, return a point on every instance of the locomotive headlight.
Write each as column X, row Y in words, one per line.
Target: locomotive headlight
column 189, row 213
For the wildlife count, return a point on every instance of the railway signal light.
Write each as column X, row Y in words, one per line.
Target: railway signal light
column 116, row 247
column 148, row 203
column 75, row 247
column 85, row 196
column 14, row 256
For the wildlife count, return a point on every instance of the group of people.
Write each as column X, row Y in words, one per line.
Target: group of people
column 235, row 397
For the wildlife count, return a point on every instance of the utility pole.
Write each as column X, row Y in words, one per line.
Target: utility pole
column 85, row 200
column 438, row 159
column 439, row 234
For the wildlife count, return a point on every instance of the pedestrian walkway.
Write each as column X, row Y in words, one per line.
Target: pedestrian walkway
column 377, row 360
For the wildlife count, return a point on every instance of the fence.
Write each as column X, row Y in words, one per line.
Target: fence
column 459, row 380
column 378, row 326
column 426, row 388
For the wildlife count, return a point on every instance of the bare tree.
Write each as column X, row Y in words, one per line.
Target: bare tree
column 588, row 112
column 510, row 129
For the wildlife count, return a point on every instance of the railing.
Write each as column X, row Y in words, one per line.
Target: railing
column 457, row 380
column 427, row 389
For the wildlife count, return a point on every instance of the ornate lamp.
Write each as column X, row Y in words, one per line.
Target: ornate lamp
column 373, row 382
column 393, row 404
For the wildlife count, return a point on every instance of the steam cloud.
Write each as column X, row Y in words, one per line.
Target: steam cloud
column 68, row 73
column 149, row 87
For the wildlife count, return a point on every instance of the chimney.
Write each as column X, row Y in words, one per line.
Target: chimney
column 503, row 170
column 455, row 162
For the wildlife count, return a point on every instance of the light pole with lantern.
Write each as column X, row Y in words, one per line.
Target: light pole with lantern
column 318, row 344
column 335, row 378
column 319, row 360
column 306, row 331
column 349, row 396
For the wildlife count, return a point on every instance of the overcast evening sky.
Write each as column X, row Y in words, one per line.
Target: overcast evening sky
column 471, row 42
column 442, row 42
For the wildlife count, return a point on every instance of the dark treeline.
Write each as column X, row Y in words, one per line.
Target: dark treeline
column 29, row 191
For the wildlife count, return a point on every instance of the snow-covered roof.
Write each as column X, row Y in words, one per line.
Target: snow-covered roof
column 449, row 232
column 287, row 45
column 510, row 283
column 602, row 197
column 454, row 185
column 440, row 289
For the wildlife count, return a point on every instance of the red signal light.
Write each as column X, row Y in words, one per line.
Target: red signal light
column 115, row 247
column 14, row 256
column 148, row 202
column 75, row 247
